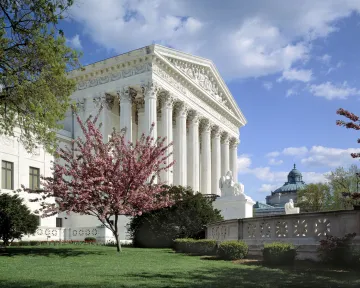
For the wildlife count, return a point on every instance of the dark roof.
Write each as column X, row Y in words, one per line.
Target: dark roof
column 294, row 182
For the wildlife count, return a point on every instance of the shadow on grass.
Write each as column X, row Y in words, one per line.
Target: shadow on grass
column 236, row 276
column 41, row 251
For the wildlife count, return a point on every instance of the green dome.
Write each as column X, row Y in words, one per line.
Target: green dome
column 294, row 182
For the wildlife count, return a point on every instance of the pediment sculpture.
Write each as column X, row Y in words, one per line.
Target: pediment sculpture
column 228, row 187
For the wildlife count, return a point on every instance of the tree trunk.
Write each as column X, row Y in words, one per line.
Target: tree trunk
column 116, row 234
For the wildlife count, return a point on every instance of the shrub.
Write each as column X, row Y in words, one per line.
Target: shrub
column 279, row 253
column 193, row 246
column 231, row 250
column 187, row 218
column 90, row 239
column 336, row 250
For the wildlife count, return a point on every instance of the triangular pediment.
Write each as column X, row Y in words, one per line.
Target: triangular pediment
column 204, row 74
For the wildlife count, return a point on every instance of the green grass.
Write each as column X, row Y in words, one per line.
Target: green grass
column 98, row 266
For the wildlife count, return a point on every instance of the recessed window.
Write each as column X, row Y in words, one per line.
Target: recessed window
column 59, row 222
column 34, row 178
column 7, row 175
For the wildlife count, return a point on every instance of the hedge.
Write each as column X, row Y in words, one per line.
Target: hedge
column 231, row 250
column 193, row 246
column 279, row 253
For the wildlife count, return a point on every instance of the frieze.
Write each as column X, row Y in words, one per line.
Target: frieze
column 128, row 72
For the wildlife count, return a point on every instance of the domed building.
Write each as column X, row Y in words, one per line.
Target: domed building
column 280, row 196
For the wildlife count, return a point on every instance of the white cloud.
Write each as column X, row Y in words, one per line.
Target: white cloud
column 75, row 42
column 243, row 163
column 273, row 154
column 275, row 162
column 330, row 91
column 337, row 66
column 257, row 38
column 291, row 92
column 295, row 151
column 326, row 58
column 268, row 187
column 268, row 85
column 296, row 75
column 320, row 156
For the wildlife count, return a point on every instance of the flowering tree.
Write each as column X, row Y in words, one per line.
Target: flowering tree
column 354, row 123
column 107, row 179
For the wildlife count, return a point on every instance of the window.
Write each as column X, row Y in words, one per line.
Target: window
column 7, row 175
column 59, row 222
column 34, row 178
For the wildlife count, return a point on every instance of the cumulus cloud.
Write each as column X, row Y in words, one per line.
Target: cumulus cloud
column 273, row 154
column 331, row 157
column 290, row 92
column 296, row 75
column 295, row 151
column 243, row 163
column 268, row 187
column 257, row 38
column 268, row 85
column 74, row 42
column 275, row 162
column 331, row 91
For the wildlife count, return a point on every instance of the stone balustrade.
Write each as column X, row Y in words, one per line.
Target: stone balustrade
column 303, row 230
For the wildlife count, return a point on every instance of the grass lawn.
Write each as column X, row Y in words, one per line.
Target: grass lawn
column 98, row 266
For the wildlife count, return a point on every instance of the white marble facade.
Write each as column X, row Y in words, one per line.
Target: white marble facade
column 182, row 94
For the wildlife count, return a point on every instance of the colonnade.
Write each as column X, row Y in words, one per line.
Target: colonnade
column 202, row 150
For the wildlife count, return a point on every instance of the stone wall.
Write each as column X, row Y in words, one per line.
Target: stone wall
column 303, row 230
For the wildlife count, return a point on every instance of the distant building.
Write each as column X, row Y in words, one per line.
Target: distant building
column 276, row 201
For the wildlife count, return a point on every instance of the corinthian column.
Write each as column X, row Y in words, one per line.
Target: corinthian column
column 150, row 91
column 233, row 157
column 167, row 131
column 225, row 166
column 180, row 149
column 215, row 161
column 140, row 106
column 193, row 152
column 205, row 157
column 126, row 98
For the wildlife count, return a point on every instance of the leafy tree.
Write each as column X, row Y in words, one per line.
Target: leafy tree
column 15, row 219
column 106, row 180
column 314, row 197
column 354, row 123
column 34, row 87
column 185, row 219
column 343, row 182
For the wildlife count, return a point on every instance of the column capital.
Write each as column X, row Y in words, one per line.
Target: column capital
column 234, row 142
column 126, row 94
column 150, row 89
column 205, row 125
column 181, row 109
column 167, row 100
column 225, row 138
column 193, row 116
column 99, row 99
column 216, row 132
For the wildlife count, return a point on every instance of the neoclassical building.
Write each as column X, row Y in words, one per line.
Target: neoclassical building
column 184, row 96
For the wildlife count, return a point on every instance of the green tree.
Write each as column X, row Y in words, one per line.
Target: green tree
column 34, row 87
column 15, row 219
column 314, row 197
column 344, row 182
column 185, row 219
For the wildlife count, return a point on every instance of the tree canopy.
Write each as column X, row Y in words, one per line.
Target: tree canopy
column 314, row 197
column 15, row 218
column 34, row 87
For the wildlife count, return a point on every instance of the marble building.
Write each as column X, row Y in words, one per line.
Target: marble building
column 184, row 95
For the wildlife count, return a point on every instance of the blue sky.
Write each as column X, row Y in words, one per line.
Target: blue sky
column 288, row 67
